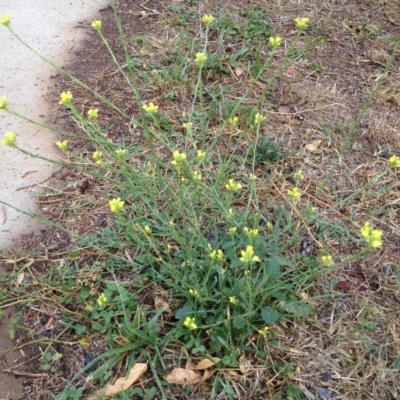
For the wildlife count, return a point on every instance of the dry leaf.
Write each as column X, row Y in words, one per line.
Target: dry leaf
column 285, row 109
column 20, row 278
column 121, row 384
column 160, row 303
column 291, row 71
column 206, row 363
column 313, row 147
column 244, row 364
column 183, row 376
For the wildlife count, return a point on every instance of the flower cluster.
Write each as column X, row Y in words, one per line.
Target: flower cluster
column 217, row 255
column 96, row 25
column 3, row 103
column 178, row 158
column 66, row 98
column 394, row 161
column 263, row 331
column 251, row 233
column 248, row 256
column 372, row 236
column 93, row 114
column 116, row 205
column 98, row 157
column 207, row 20
column 326, row 260
column 233, row 186
column 200, row 59
column 301, row 23
column 190, row 323
column 275, row 42
column 5, row 19
column 9, row 139
column 258, row 118
column 62, row 145
column 102, row 300
column 151, row 108
column 194, row 292
column 294, row 193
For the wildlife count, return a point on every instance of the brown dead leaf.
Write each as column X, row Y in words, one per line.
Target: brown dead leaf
column 121, row 384
column 244, row 364
column 182, row 376
column 313, row 147
column 206, row 363
column 291, row 71
column 239, row 72
column 159, row 302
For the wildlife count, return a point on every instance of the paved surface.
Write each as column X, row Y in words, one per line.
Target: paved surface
column 51, row 28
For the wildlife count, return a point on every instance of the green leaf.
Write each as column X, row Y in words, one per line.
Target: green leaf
column 296, row 308
column 183, row 312
column 239, row 322
column 269, row 315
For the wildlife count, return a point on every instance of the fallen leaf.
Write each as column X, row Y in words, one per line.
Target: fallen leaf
column 239, row 72
column 182, row 376
column 244, row 364
column 121, row 384
column 285, row 109
column 313, row 147
column 159, row 302
column 291, row 71
column 206, row 363
column 348, row 287
column 20, row 278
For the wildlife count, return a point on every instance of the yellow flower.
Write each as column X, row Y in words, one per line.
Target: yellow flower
column 326, row 260
column 188, row 126
column 190, row 323
column 233, row 121
column 233, row 300
column 269, row 225
column 62, row 145
column 252, row 178
column 66, row 98
column 275, row 42
column 98, row 156
column 263, row 332
column 294, row 193
column 372, row 236
column 232, row 231
column 116, row 205
column 248, row 256
column 151, row 108
column 301, row 23
column 9, row 139
column 232, row 186
column 207, row 19
column 394, row 161
column 178, row 158
column 194, row 292
column 201, row 155
column 5, row 19
column 96, row 25
column 230, row 212
column 147, row 229
column 217, row 254
column 3, row 103
column 259, row 118
column 93, row 114
column 251, row 233
column 102, row 300
column 121, row 152
column 197, row 176
column 200, row 59
column 299, row 175
column 183, row 179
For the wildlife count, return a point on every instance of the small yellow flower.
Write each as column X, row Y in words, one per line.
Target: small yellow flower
column 62, row 145
column 232, row 231
column 98, row 156
column 294, row 193
column 171, row 223
column 178, row 158
column 269, row 225
column 200, row 59
column 248, row 256
column 233, row 121
column 252, row 178
column 372, row 236
column 93, row 114
column 147, row 229
column 9, row 139
column 233, row 186
column 299, row 175
column 102, row 300
column 116, row 205
column 151, row 108
column 197, row 176
column 5, row 19
column 183, row 179
column 190, row 323
column 326, row 260
column 3, row 103
column 66, row 98
column 311, row 210
column 301, row 23
column 201, row 155
column 233, row 300
column 194, row 292
column 275, row 42
column 188, row 126
column 246, row 272
column 121, row 152
column 258, row 118
column 394, row 161
column 96, row 25
column 207, row 19
column 230, row 212
column 263, row 332
column 251, row 233
column 217, row 255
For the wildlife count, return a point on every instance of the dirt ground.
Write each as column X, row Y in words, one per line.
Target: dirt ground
column 342, row 82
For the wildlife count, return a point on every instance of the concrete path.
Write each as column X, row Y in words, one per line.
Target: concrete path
column 51, row 28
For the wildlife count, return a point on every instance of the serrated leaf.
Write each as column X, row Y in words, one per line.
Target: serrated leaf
column 269, row 315
column 239, row 322
column 296, row 308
